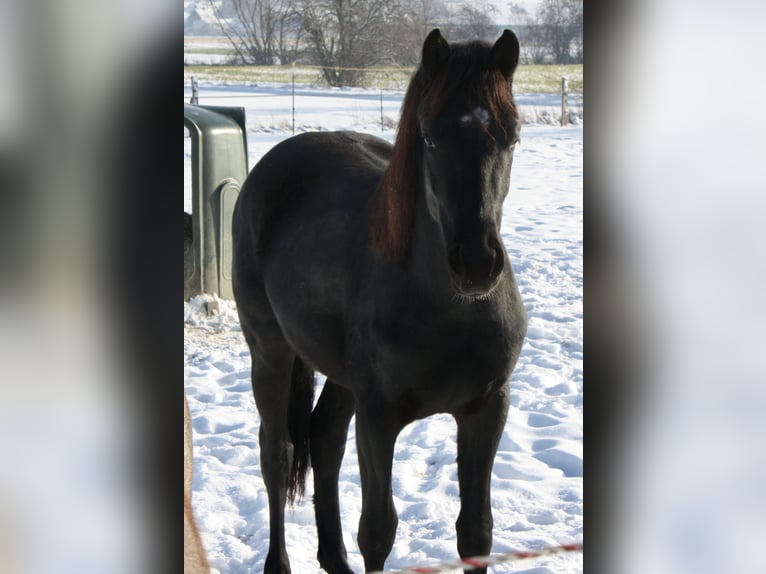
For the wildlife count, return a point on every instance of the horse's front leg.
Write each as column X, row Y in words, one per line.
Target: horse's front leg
column 479, row 430
column 376, row 432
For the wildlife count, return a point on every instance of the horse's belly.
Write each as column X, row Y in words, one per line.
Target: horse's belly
column 318, row 338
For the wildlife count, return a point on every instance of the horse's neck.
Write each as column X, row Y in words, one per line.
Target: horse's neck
column 428, row 253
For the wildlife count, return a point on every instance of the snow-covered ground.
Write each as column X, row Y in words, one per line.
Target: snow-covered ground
column 537, row 477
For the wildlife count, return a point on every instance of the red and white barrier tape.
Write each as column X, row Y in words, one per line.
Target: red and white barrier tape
column 486, row 561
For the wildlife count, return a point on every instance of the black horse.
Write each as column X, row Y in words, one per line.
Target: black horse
column 382, row 268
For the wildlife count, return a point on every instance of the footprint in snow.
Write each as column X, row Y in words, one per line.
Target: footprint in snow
column 223, row 366
column 542, row 518
column 543, row 444
column 560, row 389
column 569, row 464
column 538, row 420
column 507, row 471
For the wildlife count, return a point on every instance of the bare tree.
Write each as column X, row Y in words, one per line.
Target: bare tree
column 262, row 32
column 347, row 36
column 342, row 36
column 560, row 23
column 534, row 43
column 416, row 19
column 473, row 21
column 426, row 15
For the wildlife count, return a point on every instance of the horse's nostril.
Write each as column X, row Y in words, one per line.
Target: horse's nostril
column 456, row 259
column 498, row 261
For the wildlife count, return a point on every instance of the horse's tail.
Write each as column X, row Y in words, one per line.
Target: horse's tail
column 299, row 424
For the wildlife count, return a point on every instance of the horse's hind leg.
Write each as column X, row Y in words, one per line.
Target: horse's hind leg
column 271, row 371
column 479, row 430
column 329, row 429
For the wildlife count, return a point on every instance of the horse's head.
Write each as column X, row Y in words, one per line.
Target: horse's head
column 468, row 127
column 453, row 152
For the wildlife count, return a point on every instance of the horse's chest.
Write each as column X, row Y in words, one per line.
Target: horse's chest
column 450, row 360
column 480, row 355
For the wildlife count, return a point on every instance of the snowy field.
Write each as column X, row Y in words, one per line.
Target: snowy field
column 537, row 484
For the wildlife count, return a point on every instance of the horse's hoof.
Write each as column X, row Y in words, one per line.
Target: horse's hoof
column 338, row 566
column 277, row 563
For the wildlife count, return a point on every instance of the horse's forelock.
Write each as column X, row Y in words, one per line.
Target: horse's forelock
column 470, row 78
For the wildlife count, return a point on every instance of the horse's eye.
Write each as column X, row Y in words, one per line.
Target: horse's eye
column 429, row 143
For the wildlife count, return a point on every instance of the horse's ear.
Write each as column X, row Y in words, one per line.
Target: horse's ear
column 505, row 54
column 435, row 53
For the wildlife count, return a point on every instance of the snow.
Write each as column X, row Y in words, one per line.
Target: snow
column 537, row 484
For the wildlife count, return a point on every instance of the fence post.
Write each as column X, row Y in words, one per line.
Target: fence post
column 381, row 110
column 195, row 91
column 564, row 102
column 293, row 96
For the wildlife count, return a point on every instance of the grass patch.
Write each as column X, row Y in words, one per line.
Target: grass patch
column 212, row 51
column 547, row 78
column 253, row 74
column 528, row 79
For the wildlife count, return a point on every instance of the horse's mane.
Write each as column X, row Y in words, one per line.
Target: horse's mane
column 466, row 73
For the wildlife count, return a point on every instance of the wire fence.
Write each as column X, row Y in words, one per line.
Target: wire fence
column 528, row 78
column 548, row 108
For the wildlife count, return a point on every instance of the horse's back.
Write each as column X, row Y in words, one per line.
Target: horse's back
column 307, row 177
column 314, row 162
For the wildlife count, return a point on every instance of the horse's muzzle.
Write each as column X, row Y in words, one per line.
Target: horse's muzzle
column 476, row 267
